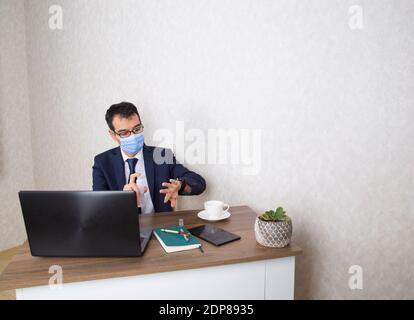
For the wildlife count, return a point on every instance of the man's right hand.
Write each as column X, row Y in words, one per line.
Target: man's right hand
column 132, row 186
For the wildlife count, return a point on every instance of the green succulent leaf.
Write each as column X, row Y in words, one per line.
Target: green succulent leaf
column 279, row 211
column 278, row 215
column 266, row 216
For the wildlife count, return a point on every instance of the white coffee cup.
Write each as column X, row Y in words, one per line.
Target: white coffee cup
column 215, row 208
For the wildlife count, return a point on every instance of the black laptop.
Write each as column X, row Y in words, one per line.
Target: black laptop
column 83, row 223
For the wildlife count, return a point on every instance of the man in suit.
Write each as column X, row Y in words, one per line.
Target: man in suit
column 153, row 173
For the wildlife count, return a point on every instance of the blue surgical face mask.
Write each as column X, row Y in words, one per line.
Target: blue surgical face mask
column 133, row 144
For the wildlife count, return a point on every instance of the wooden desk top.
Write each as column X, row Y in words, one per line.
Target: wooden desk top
column 27, row 271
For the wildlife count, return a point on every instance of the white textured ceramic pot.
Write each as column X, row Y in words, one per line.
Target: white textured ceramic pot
column 274, row 234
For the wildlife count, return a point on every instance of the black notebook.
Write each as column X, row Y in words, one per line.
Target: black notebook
column 213, row 234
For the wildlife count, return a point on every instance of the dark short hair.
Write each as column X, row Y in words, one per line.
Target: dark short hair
column 123, row 109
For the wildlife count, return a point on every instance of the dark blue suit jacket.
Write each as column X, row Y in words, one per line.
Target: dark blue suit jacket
column 108, row 173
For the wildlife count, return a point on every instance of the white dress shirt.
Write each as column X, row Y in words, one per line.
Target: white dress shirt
column 146, row 202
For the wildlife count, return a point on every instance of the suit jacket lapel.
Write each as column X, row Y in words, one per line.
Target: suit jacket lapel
column 149, row 170
column 119, row 168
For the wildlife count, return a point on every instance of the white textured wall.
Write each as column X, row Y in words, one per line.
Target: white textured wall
column 16, row 166
column 335, row 107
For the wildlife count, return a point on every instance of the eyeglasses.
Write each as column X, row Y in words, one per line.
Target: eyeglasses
column 126, row 133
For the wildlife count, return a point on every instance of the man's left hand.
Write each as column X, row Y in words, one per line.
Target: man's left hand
column 171, row 192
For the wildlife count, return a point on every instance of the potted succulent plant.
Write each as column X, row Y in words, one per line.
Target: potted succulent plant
column 273, row 228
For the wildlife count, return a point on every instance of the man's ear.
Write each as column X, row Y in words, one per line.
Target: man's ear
column 113, row 135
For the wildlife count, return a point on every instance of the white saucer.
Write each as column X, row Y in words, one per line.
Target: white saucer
column 203, row 215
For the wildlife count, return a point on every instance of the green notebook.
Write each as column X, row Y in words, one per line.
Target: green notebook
column 172, row 242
